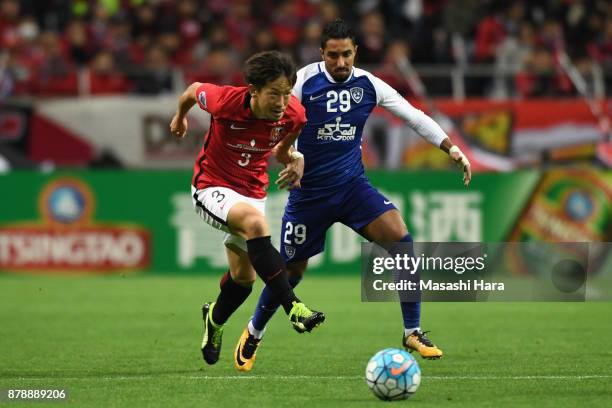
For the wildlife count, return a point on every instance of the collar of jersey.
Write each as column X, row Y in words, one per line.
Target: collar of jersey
column 329, row 77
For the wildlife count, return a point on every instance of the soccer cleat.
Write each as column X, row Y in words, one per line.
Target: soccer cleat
column 246, row 351
column 211, row 342
column 418, row 341
column 303, row 319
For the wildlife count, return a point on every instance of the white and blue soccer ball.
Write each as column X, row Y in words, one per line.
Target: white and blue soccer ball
column 393, row 374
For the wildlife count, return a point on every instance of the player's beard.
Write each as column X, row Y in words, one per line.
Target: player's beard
column 341, row 75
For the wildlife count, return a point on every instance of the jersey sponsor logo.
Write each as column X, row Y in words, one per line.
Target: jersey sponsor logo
column 290, row 251
column 356, row 94
column 314, row 98
column 338, row 132
column 234, row 127
column 202, row 98
column 248, row 147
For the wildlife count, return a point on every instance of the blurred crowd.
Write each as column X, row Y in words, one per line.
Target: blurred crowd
column 77, row 47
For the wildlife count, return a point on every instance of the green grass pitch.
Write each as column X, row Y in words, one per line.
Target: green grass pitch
column 134, row 341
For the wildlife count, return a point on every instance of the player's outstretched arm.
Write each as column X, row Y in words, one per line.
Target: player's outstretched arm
column 426, row 127
column 178, row 125
column 457, row 155
column 293, row 160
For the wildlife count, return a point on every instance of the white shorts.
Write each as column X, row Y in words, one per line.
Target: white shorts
column 213, row 205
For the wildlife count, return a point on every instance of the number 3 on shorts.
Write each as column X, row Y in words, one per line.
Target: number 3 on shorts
column 218, row 196
column 298, row 231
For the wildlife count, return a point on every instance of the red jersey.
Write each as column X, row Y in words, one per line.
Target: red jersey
column 237, row 145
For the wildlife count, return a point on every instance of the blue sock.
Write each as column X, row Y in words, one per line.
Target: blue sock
column 267, row 305
column 411, row 311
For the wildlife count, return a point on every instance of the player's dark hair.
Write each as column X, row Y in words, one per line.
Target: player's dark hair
column 337, row 30
column 267, row 66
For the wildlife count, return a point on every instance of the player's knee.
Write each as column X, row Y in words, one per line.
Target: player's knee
column 245, row 282
column 255, row 225
column 398, row 233
column 244, row 276
column 395, row 231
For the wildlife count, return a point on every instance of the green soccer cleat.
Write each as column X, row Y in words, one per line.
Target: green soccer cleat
column 303, row 319
column 213, row 333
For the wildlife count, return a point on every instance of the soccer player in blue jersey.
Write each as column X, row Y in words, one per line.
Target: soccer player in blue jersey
column 338, row 99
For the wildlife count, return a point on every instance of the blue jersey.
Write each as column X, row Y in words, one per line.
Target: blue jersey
column 334, row 186
column 337, row 113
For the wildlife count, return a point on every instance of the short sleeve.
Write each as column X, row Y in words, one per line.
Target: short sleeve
column 299, row 83
column 208, row 95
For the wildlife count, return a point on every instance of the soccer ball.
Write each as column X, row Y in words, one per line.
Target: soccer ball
column 393, row 374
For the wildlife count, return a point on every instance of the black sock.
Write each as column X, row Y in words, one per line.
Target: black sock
column 271, row 268
column 230, row 298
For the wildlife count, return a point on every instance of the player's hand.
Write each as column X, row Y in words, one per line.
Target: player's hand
column 178, row 126
column 457, row 155
column 292, row 174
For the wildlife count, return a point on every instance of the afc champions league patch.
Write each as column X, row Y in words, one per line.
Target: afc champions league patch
column 290, row 251
column 357, row 94
column 202, row 98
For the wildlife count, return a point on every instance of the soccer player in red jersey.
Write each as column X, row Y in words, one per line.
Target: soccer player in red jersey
column 230, row 180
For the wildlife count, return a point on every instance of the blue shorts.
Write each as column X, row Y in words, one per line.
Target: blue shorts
column 308, row 216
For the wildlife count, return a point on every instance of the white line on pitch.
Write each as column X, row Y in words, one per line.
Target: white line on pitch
column 309, row 377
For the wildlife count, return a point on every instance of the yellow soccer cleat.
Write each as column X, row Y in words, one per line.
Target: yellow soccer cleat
column 418, row 341
column 245, row 353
